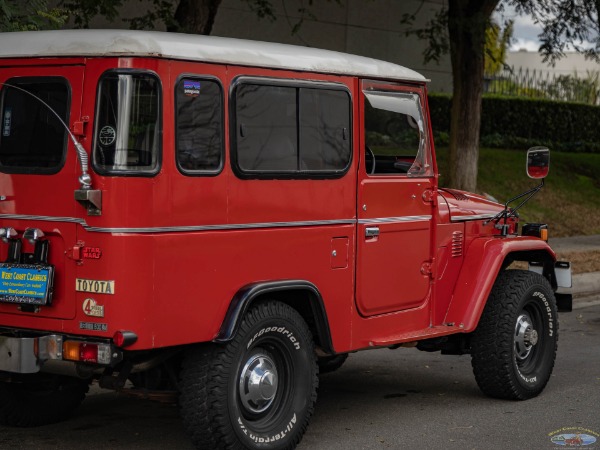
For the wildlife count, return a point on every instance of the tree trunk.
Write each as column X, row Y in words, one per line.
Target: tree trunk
column 467, row 21
column 195, row 16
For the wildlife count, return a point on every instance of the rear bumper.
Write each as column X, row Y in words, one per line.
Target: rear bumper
column 27, row 354
column 51, row 352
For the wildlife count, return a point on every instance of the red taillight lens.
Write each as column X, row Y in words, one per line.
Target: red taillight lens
column 88, row 353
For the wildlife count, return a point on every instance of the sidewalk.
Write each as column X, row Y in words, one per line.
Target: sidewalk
column 585, row 285
column 575, row 243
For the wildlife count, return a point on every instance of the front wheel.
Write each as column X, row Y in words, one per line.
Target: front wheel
column 514, row 346
column 257, row 391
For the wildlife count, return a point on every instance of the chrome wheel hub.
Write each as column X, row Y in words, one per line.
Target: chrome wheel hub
column 258, row 383
column 526, row 337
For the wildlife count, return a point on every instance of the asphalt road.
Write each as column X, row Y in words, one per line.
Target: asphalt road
column 381, row 399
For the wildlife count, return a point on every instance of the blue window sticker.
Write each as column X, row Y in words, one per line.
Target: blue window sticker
column 7, row 122
column 191, row 88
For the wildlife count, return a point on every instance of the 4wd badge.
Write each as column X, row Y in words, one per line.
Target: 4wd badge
column 92, row 308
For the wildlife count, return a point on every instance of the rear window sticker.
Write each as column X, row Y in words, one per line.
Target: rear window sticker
column 191, row 88
column 107, row 135
column 7, row 122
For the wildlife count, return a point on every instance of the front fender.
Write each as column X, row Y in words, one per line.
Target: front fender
column 483, row 262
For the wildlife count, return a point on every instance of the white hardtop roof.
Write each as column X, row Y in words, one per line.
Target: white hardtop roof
column 212, row 49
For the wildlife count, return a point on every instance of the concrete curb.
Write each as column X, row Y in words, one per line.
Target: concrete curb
column 586, row 284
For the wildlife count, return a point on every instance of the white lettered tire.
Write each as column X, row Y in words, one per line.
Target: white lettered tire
column 258, row 391
column 514, row 346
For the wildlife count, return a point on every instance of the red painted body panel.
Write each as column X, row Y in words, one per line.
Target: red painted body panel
column 465, row 205
column 174, row 287
column 480, row 269
column 389, row 276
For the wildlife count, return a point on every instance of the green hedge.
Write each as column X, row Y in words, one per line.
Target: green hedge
column 512, row 122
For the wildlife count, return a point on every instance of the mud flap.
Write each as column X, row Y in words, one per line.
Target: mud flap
column 564, row 302
column 564, row 281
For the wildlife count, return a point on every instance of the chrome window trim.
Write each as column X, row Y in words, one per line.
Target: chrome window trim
column 216, row 227
column 475, row 217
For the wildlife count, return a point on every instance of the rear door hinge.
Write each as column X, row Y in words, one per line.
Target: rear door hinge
column 79, row 126
column 75, row 253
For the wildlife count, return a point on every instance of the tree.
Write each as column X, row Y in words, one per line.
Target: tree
column 183, row 16
column 497, row 41
column 467, row 22
column 463, row 27
column 33, row 15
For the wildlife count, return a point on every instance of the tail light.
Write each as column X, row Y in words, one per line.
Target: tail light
column 89, row 352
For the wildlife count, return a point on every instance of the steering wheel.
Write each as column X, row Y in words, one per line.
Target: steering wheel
column 369, row 152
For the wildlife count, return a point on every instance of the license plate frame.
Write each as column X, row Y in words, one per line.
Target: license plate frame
column 26, row 284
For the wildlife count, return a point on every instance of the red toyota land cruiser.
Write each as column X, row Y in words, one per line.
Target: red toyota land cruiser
column 216, row 218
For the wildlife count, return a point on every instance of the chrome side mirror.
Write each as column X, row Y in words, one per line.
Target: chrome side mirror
column 538, row 162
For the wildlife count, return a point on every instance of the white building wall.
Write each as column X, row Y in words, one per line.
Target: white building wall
column 362, row 27
column 572, row 63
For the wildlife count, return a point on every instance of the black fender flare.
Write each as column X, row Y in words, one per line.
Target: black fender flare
column 244, row 298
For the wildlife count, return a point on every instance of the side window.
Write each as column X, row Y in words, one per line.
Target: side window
column 267, row 139
column 128, row 129
column 32, row 139
column 199, row 125
column 298, row 131
column 395, row 137
column 324, row 130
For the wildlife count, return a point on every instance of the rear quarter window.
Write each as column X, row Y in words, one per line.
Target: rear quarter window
column 128, row 130
column 199, row 125
column 32, row 139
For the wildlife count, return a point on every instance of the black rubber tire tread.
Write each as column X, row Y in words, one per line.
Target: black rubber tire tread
column 329, row 364
column 205, row 377
column 492, row 343
column 35, row 404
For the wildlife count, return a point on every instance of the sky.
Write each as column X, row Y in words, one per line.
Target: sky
column 525, row 34
column 525, row 31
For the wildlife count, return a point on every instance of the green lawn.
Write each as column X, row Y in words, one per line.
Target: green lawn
column 570, row 201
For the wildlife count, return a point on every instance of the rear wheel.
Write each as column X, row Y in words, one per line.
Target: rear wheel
column 46, row 400
column 256, row 392
column 514, row 346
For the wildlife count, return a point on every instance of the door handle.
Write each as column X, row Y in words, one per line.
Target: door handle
column 371, row 232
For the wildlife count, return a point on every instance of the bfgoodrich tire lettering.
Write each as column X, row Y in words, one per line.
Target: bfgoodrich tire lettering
column 257, row 391
column 514, row 346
